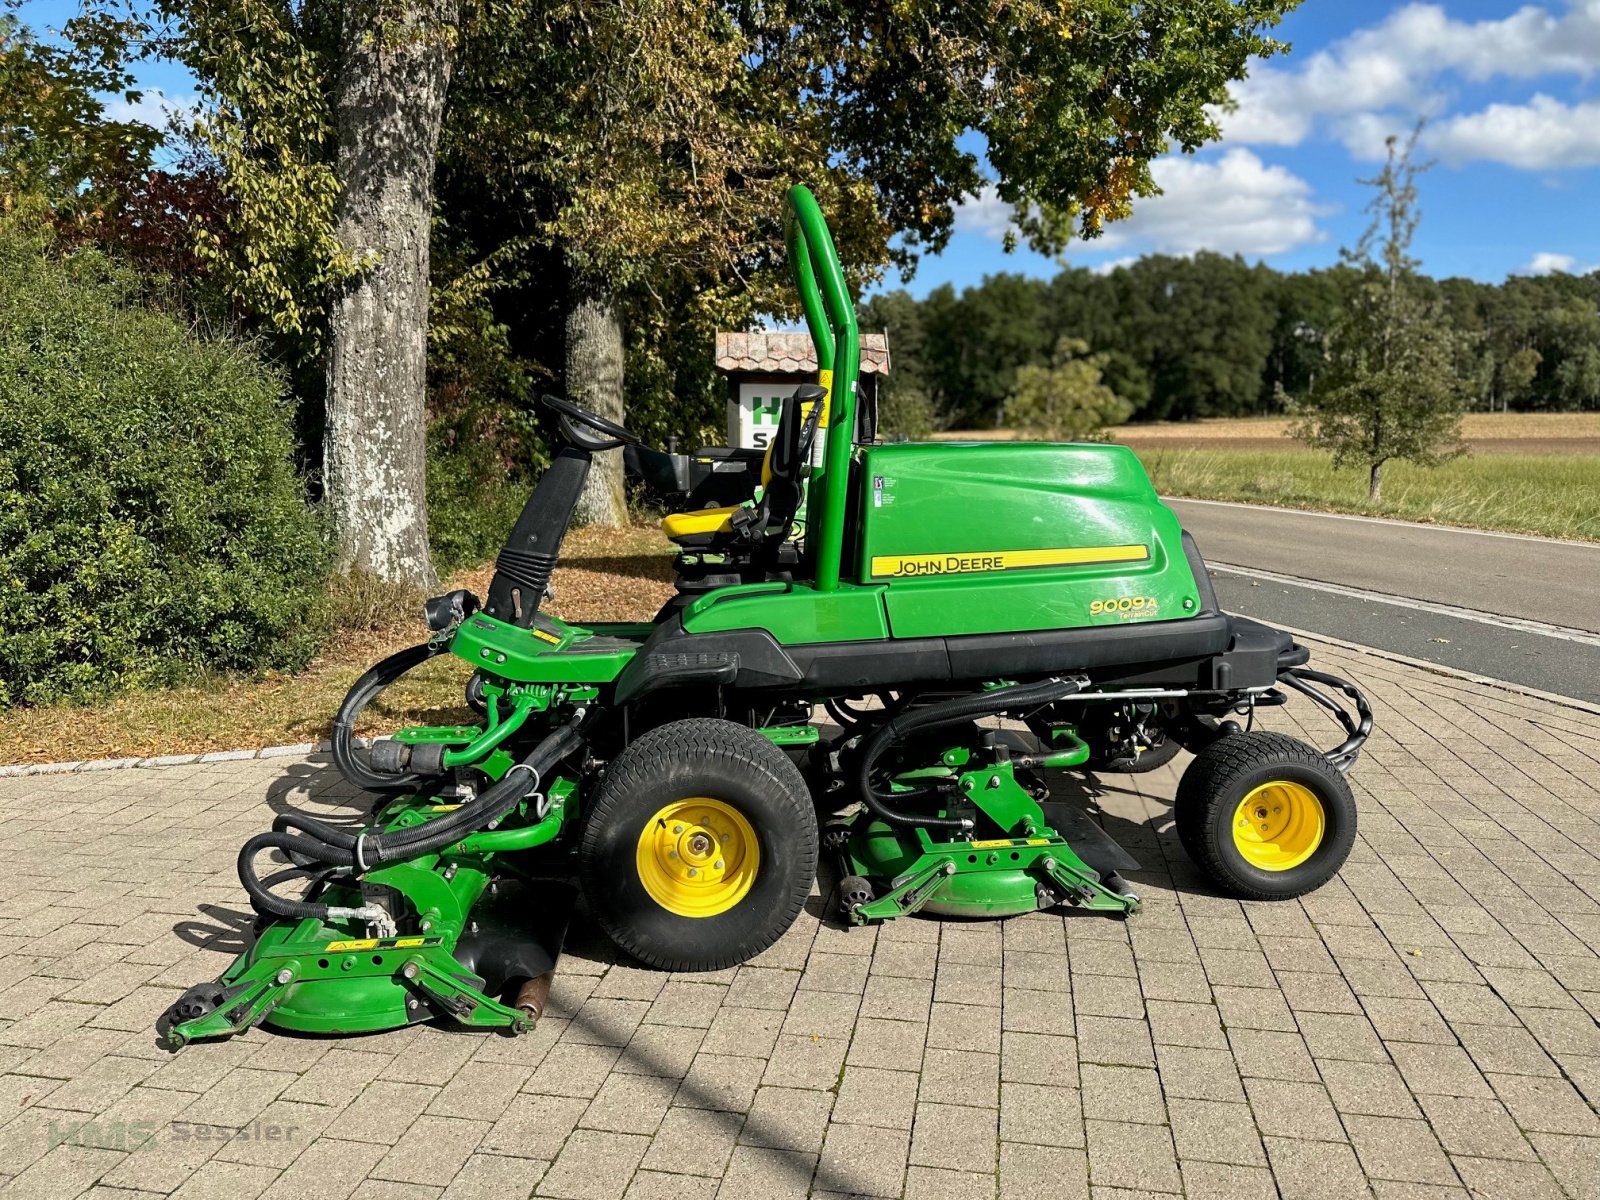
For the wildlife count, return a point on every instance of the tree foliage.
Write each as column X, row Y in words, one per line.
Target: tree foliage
column 59, row 153
column 1390, row 388
column 1065, row 401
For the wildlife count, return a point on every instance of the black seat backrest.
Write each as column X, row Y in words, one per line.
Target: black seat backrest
column 791, row 457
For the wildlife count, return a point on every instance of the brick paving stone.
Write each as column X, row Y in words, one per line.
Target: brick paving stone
column 1132, row 1156
column 1498, row 1177
column 1315, row 1170
column 769, row 1173
column 431, row 1151
column 1125, row 1093
column 1475, row 1127
column 875, row 1096
column 594, row 1166
column 1027, row 1172
column 961, row 1077
column 1296, row 1110
column 492, row 1177
column 694, row 1141
column 534, row 1126
column 1041, row 1115
column 964, row 1027
column 629, row 1104
column 721, row 1081
column 882, row 1043
column 787, row 1119
column 863, row 1160
column 954, row 1136
column 1215, row 1131
column 1399, row 1149
column 805, row 1061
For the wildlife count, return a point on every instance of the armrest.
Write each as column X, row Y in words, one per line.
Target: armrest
column 730, row 454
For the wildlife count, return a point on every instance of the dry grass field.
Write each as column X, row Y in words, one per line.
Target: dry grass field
column 1533, row 473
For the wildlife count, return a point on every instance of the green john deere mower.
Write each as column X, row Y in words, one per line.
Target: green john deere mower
column 674, row 770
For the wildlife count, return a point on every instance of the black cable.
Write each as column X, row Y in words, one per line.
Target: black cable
column 360, row 852
column 362, row 693
column 948, row 712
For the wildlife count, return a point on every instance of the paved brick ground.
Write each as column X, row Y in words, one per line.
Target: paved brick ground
column 1423, row 1027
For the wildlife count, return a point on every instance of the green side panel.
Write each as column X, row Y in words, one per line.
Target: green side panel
column 557, row 653
column 795, row 616
column 998, row 537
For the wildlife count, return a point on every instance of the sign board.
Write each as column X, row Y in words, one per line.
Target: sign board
column 753, row 419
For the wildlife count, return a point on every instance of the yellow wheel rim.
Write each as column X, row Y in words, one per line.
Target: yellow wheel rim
column 698, row 857
column 1278, row 826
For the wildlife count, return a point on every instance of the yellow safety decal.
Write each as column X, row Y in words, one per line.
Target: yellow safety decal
column 824, row 379
column 546, row 637
column 1002, row 843
column 404, row 943
column 1003, row 560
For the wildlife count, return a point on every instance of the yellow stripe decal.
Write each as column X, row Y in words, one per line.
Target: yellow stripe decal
column 967, row 561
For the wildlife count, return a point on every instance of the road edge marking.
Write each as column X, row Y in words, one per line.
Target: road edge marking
column 1504, row 685
column 1563, row 633
column 1339, row 516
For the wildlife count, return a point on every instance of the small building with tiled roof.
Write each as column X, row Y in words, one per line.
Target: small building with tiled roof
column 764, row 366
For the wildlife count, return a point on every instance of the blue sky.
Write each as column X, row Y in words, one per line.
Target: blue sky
column 1513, row 103
column 1512, row 94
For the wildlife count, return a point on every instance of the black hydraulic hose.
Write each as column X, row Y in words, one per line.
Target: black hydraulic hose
column 360, row 852
column 948, row 712
column 362, row 693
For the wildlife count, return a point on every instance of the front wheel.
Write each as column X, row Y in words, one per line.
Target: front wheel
column 1265, row 816
column 701, row 847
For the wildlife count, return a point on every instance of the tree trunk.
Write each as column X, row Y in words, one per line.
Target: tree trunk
column 394, row 71
column 1375, row 482
column 594, row 380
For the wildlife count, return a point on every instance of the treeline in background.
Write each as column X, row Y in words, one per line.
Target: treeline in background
column 1214, row 336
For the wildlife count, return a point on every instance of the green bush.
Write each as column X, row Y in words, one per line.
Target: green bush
column 151, row 522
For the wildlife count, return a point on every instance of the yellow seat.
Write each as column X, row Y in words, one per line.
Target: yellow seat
column 693, row 524
column 711, row 520
column 718, row 520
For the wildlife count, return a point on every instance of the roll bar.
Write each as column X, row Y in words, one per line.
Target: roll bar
column 831, row 318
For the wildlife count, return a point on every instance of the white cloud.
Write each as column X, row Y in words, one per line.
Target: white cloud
column 984, row 213
column 1235, row 204
column 1539, row 135
column 154, row 107
column 1397, row 65
column 1549, row 263
column 1114, row 264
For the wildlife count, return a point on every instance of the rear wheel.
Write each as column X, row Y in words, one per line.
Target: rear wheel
column 701, row 847
column 1265, row 816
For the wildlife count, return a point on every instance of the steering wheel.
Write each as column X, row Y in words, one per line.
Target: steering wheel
column 573, row 418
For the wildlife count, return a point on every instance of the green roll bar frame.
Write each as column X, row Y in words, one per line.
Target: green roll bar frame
column 831, row 318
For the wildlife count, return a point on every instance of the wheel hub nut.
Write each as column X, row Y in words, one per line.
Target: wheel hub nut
column 699, row 844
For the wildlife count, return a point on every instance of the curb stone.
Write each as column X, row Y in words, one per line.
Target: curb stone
column 298, row 750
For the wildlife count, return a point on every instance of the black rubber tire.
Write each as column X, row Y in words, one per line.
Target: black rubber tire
column 1222, row 774
column 723, row 761
column 1152, row 759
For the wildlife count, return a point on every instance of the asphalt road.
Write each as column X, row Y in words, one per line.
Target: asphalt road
column 1525, row 610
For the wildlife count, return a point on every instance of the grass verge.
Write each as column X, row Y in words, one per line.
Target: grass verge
column 1553, row 495
column 606, row 575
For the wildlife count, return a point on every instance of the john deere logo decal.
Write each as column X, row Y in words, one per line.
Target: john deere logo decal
column 968, row 561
